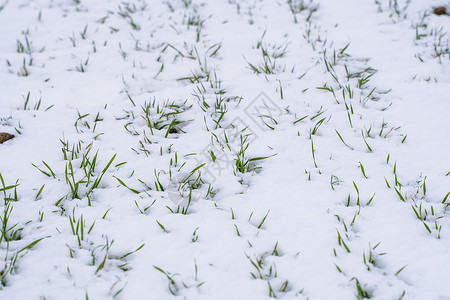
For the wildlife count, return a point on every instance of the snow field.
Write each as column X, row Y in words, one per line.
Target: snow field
column 224, row 149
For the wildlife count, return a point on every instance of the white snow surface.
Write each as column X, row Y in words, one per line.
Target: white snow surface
column 337, row 110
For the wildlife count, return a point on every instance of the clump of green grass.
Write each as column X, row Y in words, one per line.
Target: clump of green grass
column 176, row 283
column 10, row 233
column 161, row 119
column 298, row 7
column 271, row 53
column 243, row 163
column 81, row 173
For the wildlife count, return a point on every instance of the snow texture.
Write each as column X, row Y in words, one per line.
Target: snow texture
column 224, row 149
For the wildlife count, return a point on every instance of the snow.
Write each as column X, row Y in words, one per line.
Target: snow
column 224, row 149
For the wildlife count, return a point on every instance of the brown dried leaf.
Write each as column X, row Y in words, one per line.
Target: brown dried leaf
column 440, row 11
column 5, row 136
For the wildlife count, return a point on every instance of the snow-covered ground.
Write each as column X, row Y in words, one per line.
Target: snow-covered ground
column 224, row 149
